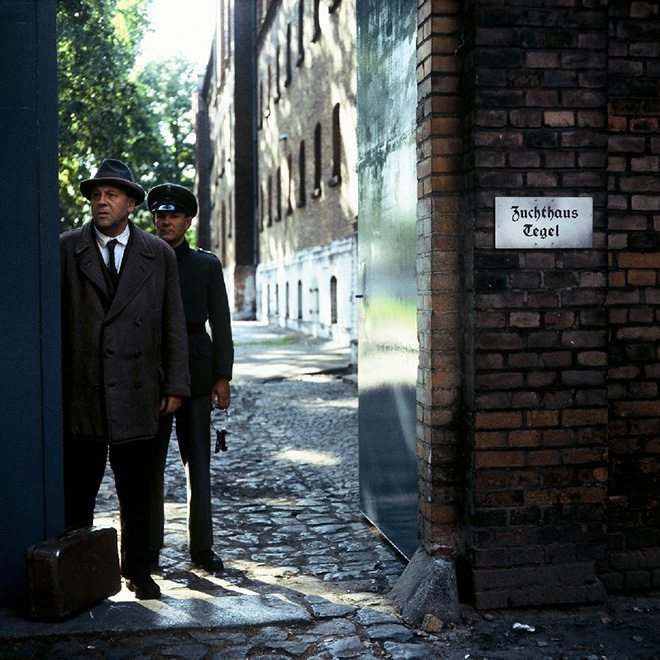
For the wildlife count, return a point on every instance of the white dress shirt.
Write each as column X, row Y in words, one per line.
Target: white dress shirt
column 122, row 241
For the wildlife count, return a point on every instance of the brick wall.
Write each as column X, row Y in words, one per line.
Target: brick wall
column 540, row 333
column 296, row 92
column 225, row 175
column 633, row 302
column 442, row 239
column 537, row 398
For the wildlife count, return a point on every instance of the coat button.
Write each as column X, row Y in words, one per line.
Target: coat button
column 138, row 322
column 137, row 386
column 137, row 354
column 108, row 352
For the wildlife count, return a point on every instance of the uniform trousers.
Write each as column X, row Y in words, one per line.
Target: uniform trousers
column 84, row 467
column 193, row 435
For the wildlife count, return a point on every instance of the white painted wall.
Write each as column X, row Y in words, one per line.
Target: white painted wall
column 315, row 268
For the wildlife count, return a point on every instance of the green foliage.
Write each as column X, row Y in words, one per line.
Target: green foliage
column 168, row 88
column 107, row 109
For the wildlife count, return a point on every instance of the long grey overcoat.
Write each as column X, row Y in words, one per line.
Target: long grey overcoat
column 121, row 353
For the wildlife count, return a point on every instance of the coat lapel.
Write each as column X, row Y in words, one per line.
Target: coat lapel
column 136, row 268
column 90, row 262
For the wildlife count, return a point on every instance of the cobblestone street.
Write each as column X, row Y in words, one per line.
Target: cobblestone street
column 306, row 576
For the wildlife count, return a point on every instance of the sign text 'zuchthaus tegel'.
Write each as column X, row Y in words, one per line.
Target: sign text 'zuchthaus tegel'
column 543, row 222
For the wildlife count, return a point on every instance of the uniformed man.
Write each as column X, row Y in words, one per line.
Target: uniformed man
column 211, row 361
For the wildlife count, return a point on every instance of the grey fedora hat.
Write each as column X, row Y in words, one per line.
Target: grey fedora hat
column 113, row 173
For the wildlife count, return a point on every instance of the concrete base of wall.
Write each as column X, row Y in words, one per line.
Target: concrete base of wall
column 427, row 586
column 295, row 292
column 241, row 290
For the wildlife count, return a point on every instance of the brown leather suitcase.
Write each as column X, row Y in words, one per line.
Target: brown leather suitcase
column 72, row 572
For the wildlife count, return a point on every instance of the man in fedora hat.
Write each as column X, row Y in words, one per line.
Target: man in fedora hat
column 211, row 360
column 125, row 360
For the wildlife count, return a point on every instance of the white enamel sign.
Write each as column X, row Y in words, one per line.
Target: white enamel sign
column 543, row 222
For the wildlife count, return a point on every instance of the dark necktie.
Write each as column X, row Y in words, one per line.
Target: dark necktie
column 112, row 268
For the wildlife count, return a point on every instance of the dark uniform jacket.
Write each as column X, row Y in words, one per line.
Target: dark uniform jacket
column 205, row 297
column 120, row 353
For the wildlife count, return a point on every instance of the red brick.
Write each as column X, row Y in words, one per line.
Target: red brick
column 501, row 459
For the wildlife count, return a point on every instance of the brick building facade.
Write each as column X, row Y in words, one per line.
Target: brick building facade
column 226, row 154
column 306, row 152
column 538, row 416
column 277, row 161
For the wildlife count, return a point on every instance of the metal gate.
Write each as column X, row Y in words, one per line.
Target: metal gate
column 388, row 348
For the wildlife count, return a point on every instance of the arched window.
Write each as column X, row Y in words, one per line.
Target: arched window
column 333, row 299
column 270, row 201
column 336, row 148
column 302, row 193
column 277, row 75
column 289, row 184
column 262, row 204
column 287, row 304
column 300, row 300
column 301, row 32
column 223, row 233
column 287, row 78
column 278, row 194
column 317, row 22
column 317, row 161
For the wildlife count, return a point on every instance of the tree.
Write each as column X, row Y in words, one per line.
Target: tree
column 107, row 109
column 168, row 88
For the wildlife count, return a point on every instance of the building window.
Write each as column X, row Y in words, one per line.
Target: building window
column 277, row 75
column 268, row 92
column 270, row 201
column 261, row 104
column 287, row 304
column 223, row 230
column 336, row 148
column 317, row 23
column 302, row 196
column 278, row 192
column 225, row 22
column 333, row 299
column 230, row 220
column 300, row 300
column 287, row 79
column 317, row 162
column 277, row 301
column 261, row 207
column 289, row 184
column 301, row 32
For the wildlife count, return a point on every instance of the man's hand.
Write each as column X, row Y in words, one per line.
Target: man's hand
column 168, row 404
column 220, row 395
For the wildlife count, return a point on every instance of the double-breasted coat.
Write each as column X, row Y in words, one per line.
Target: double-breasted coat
column 123, row 349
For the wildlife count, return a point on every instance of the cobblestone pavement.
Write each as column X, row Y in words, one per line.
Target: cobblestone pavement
column 306, row 576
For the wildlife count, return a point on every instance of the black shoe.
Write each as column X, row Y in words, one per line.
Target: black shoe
column 208, row 560
column 144, row 588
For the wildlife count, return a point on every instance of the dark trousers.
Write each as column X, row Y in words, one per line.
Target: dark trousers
column 84, row 466
column 193, row 434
